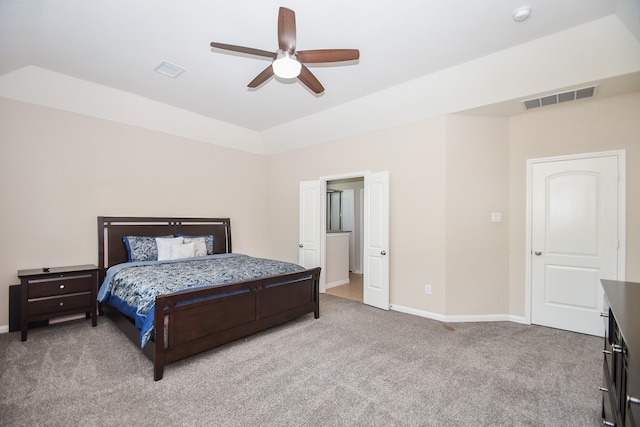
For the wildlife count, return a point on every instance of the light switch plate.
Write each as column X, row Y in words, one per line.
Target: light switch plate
column 496, row 216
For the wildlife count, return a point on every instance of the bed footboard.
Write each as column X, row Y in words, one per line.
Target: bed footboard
column 201, row 319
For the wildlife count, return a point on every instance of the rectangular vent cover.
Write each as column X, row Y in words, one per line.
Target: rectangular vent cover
column 557, row 98
column 169, row 69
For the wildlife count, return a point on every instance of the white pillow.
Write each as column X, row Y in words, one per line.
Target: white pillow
column 200, row 248
column 179, row 251
column 164, row 246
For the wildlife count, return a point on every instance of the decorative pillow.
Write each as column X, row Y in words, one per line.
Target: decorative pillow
column 209, row 240
column 165, row 246
column 179, row 251
column 142, row 248
column 200, row 246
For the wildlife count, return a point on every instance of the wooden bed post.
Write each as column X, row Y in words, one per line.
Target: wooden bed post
column 316, row 292
column 158, row 358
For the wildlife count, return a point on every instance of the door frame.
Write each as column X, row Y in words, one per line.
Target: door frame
column 622, row 224
column 323, row 217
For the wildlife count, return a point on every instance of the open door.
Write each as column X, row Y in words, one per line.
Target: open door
column 376, row 240
column 310, row 245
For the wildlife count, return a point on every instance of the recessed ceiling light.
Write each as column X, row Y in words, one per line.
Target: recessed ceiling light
column 521, row 13
column 169, row 69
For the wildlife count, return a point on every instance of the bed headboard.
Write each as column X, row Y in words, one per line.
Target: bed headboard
column 111, row 230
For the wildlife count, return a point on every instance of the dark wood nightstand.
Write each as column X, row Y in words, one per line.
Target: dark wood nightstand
column 57, row 291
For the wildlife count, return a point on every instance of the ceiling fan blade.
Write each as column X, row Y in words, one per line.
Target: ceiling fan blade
column 309, row 80
column 287, row 30
column 242, row 49
column 262, row 77
column 327, row 55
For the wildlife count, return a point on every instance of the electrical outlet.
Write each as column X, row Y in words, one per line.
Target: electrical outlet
column 427, row 289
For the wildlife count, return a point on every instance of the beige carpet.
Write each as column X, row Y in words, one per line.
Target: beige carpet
column 355, row 366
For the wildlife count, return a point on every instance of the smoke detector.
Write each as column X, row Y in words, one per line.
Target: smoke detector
column 522, row 13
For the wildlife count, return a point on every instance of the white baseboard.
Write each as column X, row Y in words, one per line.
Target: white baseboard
column 518, row 319
column 460, row 318
column 416, row 312
column 4, row 329
column 338, row 283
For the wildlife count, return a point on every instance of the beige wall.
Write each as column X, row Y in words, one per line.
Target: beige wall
column 476, row 185
column 577, row 127
column 59, row 171
column 447, row 176
column 414, row 155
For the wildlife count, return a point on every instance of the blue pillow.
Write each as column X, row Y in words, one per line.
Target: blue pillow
column 209, row 240
column 142, row 248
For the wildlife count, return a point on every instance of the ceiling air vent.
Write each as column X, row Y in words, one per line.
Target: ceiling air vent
column 557, row 98
column 168, row 69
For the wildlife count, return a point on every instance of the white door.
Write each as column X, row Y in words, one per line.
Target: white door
column 574, row 236
column 376, row 240
column 310, row 246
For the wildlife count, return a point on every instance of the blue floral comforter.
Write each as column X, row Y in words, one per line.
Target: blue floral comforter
column 132, row 287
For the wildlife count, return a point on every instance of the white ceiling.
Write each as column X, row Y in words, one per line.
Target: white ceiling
column 118, row 43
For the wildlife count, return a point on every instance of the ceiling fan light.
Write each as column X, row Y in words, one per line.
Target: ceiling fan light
column 286, row 67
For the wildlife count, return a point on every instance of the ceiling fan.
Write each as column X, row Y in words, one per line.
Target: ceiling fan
column 288, row 63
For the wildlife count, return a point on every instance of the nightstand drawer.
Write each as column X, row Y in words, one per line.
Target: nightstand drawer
column 46, row 287
column 51, row 306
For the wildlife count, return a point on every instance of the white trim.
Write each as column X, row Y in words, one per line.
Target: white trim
column 518, row 319
column 622, row 212
column 344, row 176
column 4, row 329
column 487, row 318
column 337, row 283
column 416, row 312
column 460, row 318
column 323, row 235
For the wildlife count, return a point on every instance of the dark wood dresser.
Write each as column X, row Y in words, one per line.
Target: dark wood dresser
column 57, row 292
column 621, row 383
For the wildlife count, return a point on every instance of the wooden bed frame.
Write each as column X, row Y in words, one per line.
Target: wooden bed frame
column 198, row 320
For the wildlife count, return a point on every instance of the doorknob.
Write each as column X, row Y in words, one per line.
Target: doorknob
column 538, row 253
column 300, row 245
column 383, row 253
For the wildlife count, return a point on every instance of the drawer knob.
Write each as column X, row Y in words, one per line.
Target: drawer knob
column 62, row 286
column 61, row 304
